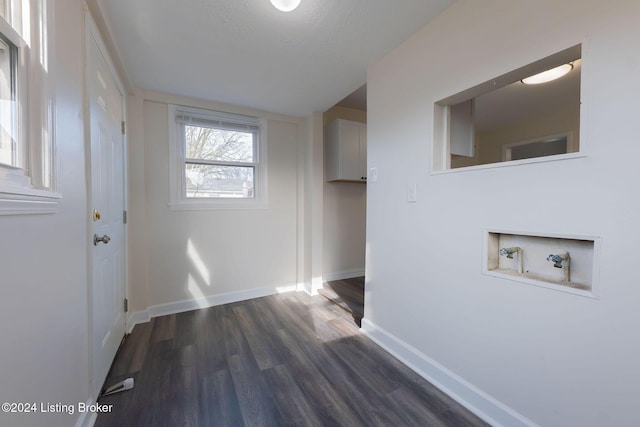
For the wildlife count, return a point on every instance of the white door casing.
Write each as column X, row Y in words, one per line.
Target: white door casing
column 107, row 205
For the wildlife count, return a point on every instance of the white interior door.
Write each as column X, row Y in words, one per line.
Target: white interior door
column 108, row 205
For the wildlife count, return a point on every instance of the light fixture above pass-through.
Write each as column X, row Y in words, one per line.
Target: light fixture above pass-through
column 285, row 5
column 549, row 75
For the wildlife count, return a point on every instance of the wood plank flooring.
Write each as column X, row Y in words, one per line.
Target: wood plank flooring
column 348, row 294
column 282, row 360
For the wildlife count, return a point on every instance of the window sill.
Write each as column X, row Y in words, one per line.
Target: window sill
column 28, row 202
column 18, row 197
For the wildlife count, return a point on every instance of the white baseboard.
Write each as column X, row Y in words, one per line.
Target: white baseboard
column 343, row 275
column 144, row 316
column 477, row 401
column 136, row 317
column 304, row 287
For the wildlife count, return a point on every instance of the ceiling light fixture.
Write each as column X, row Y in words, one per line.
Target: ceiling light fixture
column 285, row 5
column 547, row 76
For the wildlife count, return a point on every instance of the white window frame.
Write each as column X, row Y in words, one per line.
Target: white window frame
column 178, row 199
column 29, row 187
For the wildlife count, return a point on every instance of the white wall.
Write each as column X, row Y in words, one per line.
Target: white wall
column 520, row 354
column 218, row 255
column 43, row 260
column 344, row 216
column 138, row 291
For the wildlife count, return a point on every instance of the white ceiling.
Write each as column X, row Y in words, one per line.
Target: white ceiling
column 245, row 52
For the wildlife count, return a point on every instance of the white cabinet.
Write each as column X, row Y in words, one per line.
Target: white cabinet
column 461, row 126
column 346, row 151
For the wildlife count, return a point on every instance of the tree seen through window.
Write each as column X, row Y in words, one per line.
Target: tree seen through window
column 219, row 162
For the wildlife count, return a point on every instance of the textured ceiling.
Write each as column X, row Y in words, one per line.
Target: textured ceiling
column 246, row 52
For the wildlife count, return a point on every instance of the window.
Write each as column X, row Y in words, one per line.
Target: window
column 217, row 160
column 8, row 116
column 27, row 180
column 510, row 119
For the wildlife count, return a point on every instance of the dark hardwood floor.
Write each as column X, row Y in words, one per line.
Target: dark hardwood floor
column 282, row 360
column 347, row 294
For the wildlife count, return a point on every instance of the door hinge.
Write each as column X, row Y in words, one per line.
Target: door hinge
column 124, row 127
column 126, row 305
column 124, row 217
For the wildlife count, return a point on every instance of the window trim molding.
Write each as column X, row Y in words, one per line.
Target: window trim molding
column 32, row 188
column 177, row 184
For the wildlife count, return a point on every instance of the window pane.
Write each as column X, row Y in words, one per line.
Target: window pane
column 8, row 154
column 219, row 181
column 218, row 144
column 12, row 12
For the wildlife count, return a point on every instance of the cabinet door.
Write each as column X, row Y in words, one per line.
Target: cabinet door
column 363, row 151
column 346, row 151
column 462, row 129
column 350, row 151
